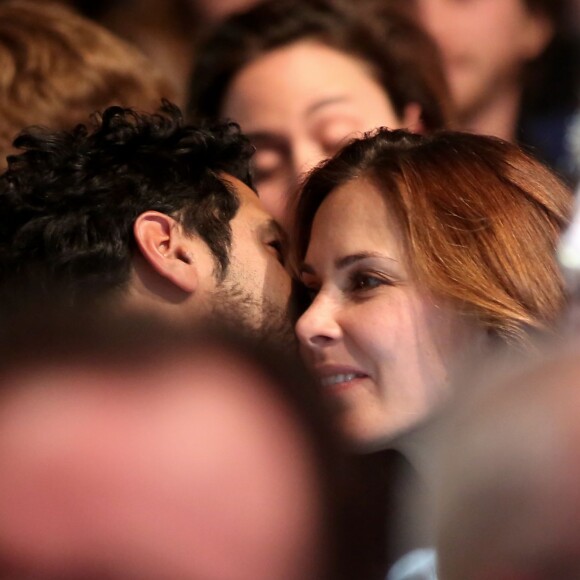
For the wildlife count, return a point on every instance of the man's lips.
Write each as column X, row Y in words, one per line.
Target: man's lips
column 331, row 375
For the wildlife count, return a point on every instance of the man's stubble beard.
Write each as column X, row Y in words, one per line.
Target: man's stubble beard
column 263, row 319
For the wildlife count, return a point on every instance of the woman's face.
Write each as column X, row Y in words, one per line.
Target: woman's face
column 379, row 342
column 299, row 104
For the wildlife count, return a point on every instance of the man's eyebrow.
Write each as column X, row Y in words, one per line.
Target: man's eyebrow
column 271, row 226
column 346, row 261
column 323, row 103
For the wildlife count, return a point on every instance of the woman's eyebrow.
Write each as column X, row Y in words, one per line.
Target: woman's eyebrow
column 323, row 103
column 346, row 261
column 351, row 259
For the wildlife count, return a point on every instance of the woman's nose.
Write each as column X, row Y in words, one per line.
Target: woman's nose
column 318, row 326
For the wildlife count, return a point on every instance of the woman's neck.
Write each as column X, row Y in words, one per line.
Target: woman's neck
column 498, row 116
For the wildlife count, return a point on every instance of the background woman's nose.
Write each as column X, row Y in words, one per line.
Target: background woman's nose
column 306, row 155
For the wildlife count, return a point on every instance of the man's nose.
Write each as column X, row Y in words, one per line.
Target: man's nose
column 318, row 326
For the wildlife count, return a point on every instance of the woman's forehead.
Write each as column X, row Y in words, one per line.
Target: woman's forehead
column 355, row 217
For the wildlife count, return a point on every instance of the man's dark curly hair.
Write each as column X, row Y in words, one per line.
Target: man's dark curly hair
column 69, row 201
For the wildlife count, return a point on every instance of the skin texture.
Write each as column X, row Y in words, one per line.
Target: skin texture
column 485, row 45
column 256, row 282
column 299, row 104
column 369, row 317
column 103, row 474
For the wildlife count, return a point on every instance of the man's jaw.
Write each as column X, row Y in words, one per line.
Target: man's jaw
column 264, row 320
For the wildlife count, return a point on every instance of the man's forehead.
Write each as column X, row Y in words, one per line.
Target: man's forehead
column 248, row 198
column 239, row 186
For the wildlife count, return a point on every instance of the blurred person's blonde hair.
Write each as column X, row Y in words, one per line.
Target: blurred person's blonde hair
column 57, row 68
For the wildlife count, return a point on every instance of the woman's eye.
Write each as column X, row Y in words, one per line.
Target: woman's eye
column 336, row 135
column 361, row 282
column 267, row 164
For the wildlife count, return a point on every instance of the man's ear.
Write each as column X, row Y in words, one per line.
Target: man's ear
column 165, row 247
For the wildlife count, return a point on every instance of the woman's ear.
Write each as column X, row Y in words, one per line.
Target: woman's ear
column 165, row 247
column 412, row 118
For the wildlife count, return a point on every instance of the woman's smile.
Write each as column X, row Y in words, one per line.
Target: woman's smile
column 335, row 378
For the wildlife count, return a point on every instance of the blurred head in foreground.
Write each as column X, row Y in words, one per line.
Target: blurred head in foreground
column 419, row 252
column 58, row 68
column 137, row 450
column 508, row 497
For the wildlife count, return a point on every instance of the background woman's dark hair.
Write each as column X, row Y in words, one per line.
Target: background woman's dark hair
column 552, row 82
column 403, row 59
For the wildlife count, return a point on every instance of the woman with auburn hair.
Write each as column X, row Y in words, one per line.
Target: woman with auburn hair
column 418, row 251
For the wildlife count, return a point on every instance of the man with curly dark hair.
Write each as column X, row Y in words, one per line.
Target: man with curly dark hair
column 141, row 211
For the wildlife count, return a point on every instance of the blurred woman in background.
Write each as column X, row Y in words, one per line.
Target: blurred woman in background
column 513, row 69
column 301, row 77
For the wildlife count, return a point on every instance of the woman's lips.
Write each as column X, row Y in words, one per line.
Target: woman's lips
column 334, row 378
